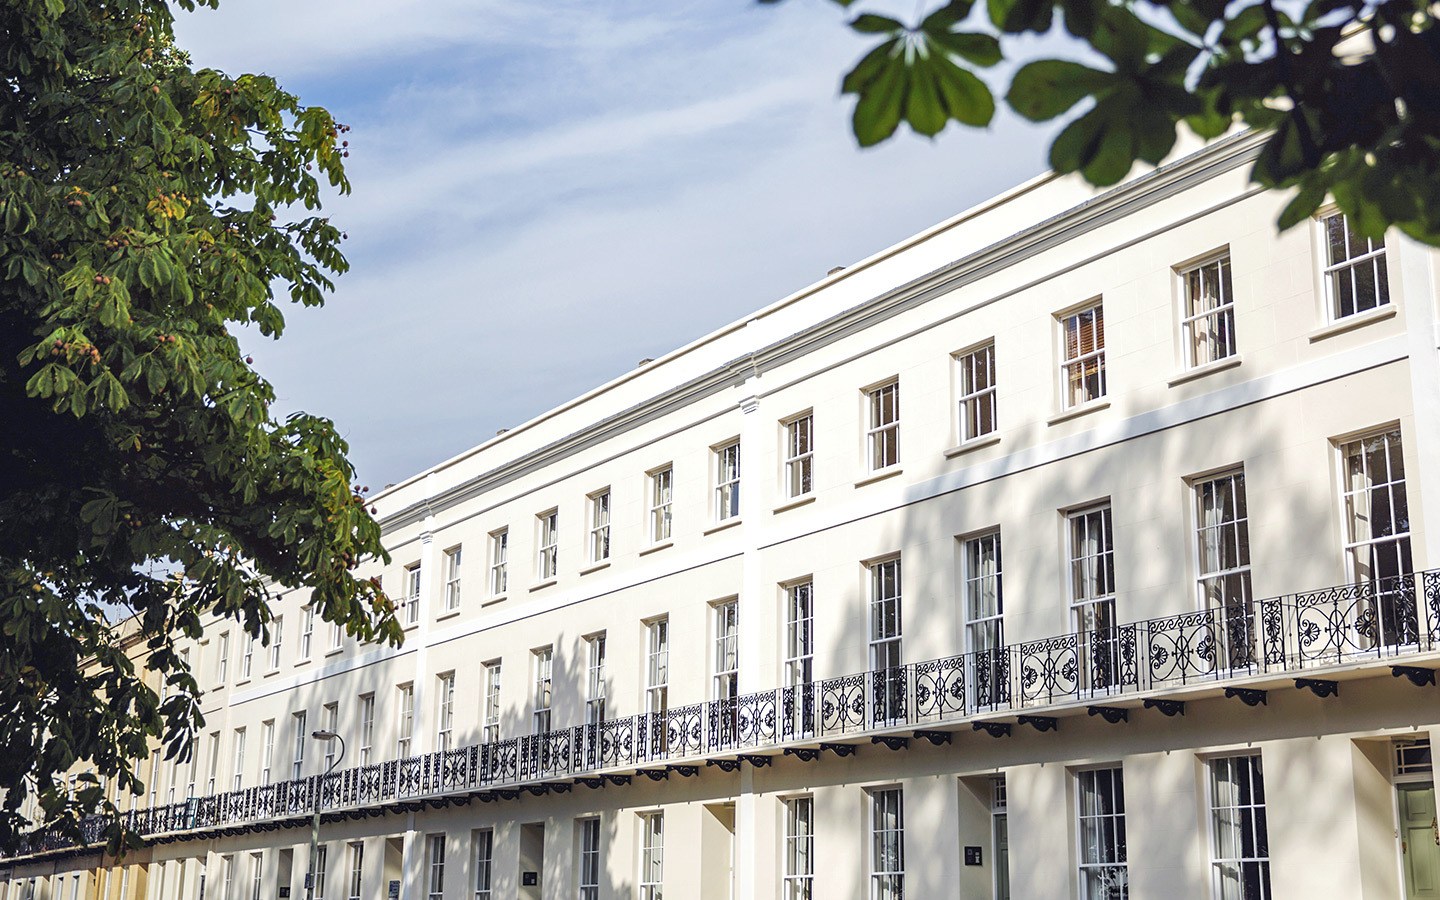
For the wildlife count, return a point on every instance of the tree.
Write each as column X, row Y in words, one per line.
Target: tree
column 150, row 208
column 1348, row 89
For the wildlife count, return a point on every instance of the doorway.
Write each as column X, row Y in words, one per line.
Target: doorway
column 1415, row 813
column 1419, row 841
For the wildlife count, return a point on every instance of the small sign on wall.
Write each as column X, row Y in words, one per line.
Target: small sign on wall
column 395, row 890
column 285, row 891
column 972, row 856
column 530, row 879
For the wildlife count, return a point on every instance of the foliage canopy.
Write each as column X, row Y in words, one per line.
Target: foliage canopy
column 1348, row 89
column 150, row 209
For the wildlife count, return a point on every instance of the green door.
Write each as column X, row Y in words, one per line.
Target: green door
column 1419, row 842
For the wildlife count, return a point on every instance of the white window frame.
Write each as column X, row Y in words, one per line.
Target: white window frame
column 887, row 844
column 490, row 731
column 277, row 633
column 726, row 457
column 357, row 870
column 588, row 858
column 542, row 660
column 882, row 426
column 1078, row 365
column 1207, row 332
column 405, row 720
column 300, row 734
column 317, row 873
column 435, row 866
column 599, row 543
column 799, row 455
column 499, row 562
column 1117, row 868
column 412, row 582
column 976, row 405
column 367, row 727
column 886, row 639
column 798, row 877
column 799, row 649
column 657, row 666
column 210, row 780
column 661, row 491
column 445, row 711
column 1229, row 819
column 307, row 631
column 330, row 721
column 725, row 663
column 483, row 840
column 238, row 746
column 1091, row 586
column 222, row 658
column 651, row 877
column 547, row 545
column 1222, row 564
column 257, row 874
column 1335, row 272
column 247, row 658
column 453, row 562
column 595, row 691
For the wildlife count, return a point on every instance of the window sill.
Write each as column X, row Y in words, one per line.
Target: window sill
column 303, row 662
column 656, row 548
column 272, row 672
column 241, row 681
column 549, row 582
column 879, row 476
column 1078, row 411
column 602, row 564
column 728, row 523
column 1209, row 368
column 411, row 626
column 498, row 598
column 449, row 614
column 793, row 504
column 1359, row 320
column 985, row 440
column 334, row 651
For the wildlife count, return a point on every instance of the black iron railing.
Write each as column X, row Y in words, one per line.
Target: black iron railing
column 1385, row 619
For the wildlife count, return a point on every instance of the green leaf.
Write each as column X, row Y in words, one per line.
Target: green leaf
column 878, row 111
column 1044, row 89
column 967, row 99
column 869, row 23
column 1303, row 205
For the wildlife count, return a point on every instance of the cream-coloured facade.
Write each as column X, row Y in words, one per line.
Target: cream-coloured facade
column 995, row 565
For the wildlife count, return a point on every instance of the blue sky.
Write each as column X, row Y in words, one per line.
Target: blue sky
column 546, row 193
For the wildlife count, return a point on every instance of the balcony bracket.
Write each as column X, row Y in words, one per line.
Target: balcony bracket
column 1041, row 723
column 1418, row 676
column 1168, row 707
column 656, row 774
column 1112, row 714
column 804, row 754
column 994, row 729
column 935, row 737
column 592, row 783
column 507, row 795
column 893, row 741
column 560, row 787
column 758, row 760
column 724, row 765
column 685, row 771
column 617, row 780
column 839, row 749
column 538, row 790
column 1319, row 686
column 1247, row 696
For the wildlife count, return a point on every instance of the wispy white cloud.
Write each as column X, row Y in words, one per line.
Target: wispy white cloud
column 545, row 194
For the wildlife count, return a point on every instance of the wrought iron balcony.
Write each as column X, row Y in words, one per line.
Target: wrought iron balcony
column 1386, row 621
